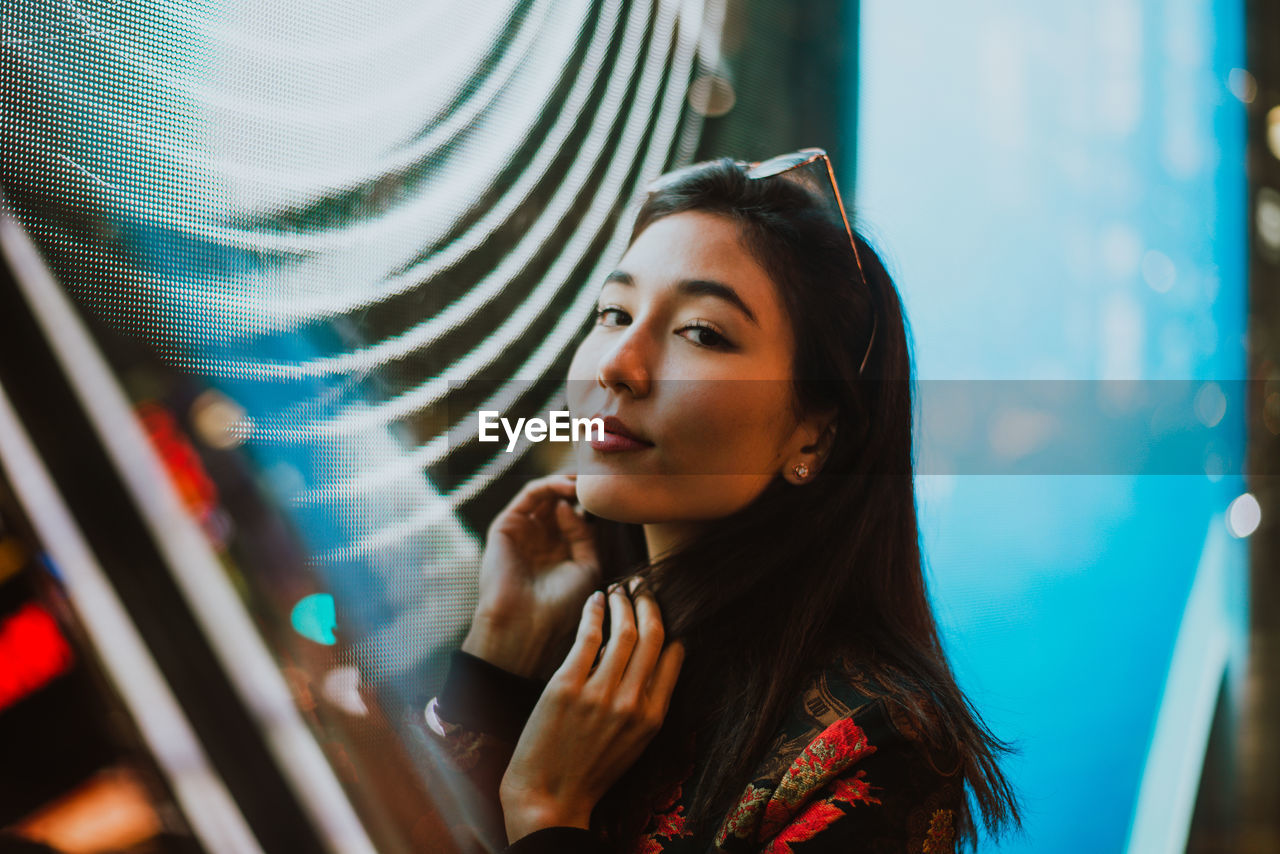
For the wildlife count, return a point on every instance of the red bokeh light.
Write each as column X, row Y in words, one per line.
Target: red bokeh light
column 33, row 652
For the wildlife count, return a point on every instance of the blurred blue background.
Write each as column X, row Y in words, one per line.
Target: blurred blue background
column 1060, row 192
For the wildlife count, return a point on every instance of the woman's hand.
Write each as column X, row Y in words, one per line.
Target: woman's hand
column 591, row 724
column 538, row 567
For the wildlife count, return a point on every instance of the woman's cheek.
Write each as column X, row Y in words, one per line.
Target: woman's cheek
column 579, row 379
column 724, row 443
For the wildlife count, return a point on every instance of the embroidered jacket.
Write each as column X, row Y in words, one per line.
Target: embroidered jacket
column 846, row 772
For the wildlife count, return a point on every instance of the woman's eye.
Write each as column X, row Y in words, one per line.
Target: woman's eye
column 707, row 337
column 704, row 335
column 601, row 314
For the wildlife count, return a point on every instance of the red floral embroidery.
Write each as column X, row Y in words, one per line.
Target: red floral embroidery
column 820, row 815
column 742, row 820
column 647, row 845
column 669, row 799
column 806, row 826
column 835, row 749
column 853, row 789
column 664, row 826
column 942, row 833
column 671, row 825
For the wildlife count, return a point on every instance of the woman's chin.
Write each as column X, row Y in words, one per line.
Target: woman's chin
column 617, row 497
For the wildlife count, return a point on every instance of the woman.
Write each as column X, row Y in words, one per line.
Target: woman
column 772, row 679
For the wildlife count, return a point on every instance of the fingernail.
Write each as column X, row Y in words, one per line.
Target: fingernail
column 596, row 598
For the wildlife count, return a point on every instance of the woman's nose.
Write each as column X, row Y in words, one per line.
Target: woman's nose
column 626, row 365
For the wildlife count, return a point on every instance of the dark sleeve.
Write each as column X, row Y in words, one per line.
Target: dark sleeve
column 474, row 724
column 483, row 697
column 558, row 840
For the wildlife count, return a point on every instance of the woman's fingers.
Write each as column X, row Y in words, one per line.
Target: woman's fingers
column 664, row 679
column 576, row 531
column 622, row 639
column 634, row 667
column 577, row 664
column 648, row 646
column 535, row 494
column 535, row 519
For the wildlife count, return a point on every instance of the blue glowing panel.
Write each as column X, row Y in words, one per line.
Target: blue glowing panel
column 1059, row 191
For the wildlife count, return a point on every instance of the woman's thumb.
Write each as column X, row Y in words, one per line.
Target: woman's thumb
column 575, row 530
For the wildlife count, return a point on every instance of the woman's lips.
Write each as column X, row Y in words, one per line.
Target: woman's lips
column 617, row 437
column 614, row 442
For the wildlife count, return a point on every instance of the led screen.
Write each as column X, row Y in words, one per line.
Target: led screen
column 314, row 241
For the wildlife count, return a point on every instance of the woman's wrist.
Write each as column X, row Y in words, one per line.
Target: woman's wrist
column 525, row 813
column 516, row 646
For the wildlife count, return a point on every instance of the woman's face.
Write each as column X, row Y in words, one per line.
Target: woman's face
column 692, row 351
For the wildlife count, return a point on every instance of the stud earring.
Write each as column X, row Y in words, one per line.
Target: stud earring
column 801, row 470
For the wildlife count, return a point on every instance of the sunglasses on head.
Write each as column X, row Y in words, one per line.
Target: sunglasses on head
column 810, row 167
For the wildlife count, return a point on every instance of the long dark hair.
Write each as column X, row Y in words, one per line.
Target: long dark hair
column 765, row 596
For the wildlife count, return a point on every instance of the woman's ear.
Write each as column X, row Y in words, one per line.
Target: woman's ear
column 821, row 428
column 817, row 432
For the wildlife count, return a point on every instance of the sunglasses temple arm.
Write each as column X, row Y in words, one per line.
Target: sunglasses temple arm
column 875, row 323
column 857, row 256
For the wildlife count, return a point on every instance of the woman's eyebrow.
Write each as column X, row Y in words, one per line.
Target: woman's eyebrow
column 695, row 288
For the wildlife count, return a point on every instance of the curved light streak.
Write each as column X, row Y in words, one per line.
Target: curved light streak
column 438, row 137
column 517, row 322
column 146, row 141
column 291, row 313
column 543, row 357
column 400, row 28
